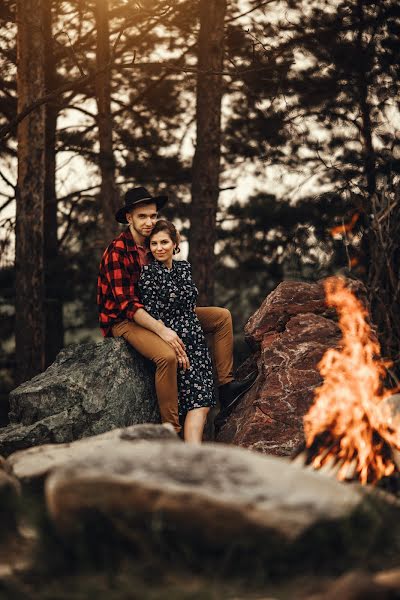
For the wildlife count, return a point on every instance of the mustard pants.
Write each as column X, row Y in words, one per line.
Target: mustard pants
column 215, row 321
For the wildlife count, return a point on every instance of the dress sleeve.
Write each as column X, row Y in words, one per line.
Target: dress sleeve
column 188, row 281
column 148, row 288
column 186, row 269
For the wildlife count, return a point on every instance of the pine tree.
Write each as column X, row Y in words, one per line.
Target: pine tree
column 29, row 317
column 108, row 190
column 206, row 161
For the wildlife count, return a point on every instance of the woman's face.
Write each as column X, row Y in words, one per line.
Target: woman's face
column 162, row 247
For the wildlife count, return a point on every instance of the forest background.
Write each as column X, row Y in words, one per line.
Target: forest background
column 272, row 125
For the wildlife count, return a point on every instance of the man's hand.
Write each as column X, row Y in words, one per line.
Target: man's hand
column 173, row 340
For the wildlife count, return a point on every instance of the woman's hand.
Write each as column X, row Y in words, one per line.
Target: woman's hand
column 173, row 340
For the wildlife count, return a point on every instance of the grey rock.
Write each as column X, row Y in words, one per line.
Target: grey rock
column 357, row 585
column 391, row 408
column 215, row 493
column 35, row 463
column 4, row 466
column 89, row 389
column 149, row 432
column 10, row 490
column 390, row 412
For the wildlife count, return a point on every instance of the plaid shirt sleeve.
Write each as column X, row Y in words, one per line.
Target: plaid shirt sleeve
column 117, row 290
column 123, row 283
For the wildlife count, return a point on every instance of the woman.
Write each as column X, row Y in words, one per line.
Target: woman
column 169, row 294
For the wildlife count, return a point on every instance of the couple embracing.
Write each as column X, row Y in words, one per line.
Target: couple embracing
column 147, row 297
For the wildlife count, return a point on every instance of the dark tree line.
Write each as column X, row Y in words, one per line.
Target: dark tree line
column 258, row 88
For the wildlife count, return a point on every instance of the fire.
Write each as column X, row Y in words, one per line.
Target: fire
column 354, row 262
column 346, row 424
column 345, row 227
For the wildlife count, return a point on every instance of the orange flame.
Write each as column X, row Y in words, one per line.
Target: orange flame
column 346, row 421
column 354, row 262
column 345, row 227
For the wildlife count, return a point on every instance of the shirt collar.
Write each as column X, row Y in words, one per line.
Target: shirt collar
column 130, row 242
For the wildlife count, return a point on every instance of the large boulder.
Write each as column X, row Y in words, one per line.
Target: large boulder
column 290, row 333
column 209, row 495
column 89, row 389
column 9, row 494
column 362, row 585
column 34, row 464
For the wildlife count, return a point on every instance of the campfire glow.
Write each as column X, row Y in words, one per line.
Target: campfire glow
column 346, row 425
column 345, row 227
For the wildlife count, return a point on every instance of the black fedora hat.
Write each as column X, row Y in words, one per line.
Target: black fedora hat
column 136, row 196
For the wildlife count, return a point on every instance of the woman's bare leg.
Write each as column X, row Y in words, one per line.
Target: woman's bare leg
column 194, row 425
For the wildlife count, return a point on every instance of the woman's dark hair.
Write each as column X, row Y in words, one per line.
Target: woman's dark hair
column 164, row 225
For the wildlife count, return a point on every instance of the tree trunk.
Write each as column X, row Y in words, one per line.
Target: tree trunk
column 365, row 107
column 368, row 147
column 29, row 305
column 108, row 190
column 54, row 327
column 206, row 160
column 384, row 271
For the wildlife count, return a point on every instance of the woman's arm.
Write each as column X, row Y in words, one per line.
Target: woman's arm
column 151, row 316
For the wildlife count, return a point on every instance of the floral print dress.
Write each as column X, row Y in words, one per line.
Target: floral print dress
column 170, row 295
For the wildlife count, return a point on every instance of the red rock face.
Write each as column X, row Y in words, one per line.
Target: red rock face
column 290, row 333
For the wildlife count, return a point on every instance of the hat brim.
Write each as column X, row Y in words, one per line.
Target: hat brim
column 120, row 215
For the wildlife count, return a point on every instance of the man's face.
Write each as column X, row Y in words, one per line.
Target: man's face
column 142, row 218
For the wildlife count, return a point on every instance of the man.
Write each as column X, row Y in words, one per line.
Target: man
column 122, row 314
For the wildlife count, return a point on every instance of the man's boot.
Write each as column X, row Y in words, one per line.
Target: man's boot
column 230, row 394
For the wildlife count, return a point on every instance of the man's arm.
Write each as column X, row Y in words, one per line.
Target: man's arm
column 125, row 294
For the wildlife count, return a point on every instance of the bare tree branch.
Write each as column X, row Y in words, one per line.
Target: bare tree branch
column 6, row 203
column 71, row 50
column 66, row 87
column 257, row 7
column 192, row 70
column 7, row 181
column 69, row 222
column 77, row 193
column 81, row 109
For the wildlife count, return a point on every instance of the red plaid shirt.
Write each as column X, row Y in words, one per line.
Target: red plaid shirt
column 117, row 295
